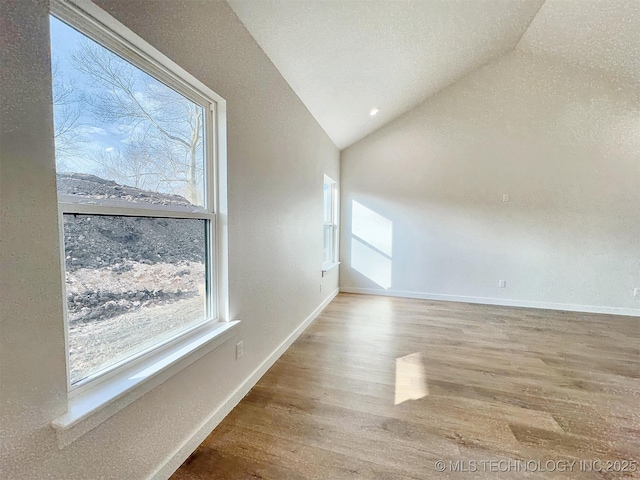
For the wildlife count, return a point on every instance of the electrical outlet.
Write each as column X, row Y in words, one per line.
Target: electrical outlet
column 505, row 197
column 502, row 284
column 239, row 349
column 636, row 292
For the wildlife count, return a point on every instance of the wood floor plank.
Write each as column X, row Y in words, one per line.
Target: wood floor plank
column 477, row 383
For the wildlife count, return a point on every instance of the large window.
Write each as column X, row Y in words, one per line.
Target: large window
column 136, row 170
column 330, row 233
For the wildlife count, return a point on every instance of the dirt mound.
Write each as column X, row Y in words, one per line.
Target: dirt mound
column 96, row 188
column 96, row 241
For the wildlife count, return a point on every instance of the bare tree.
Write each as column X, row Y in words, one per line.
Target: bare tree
column 130, row 98
column 134, row 165
column 67, row 113
column 146, row 161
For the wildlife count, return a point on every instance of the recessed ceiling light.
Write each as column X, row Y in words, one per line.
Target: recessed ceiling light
column 374, row 111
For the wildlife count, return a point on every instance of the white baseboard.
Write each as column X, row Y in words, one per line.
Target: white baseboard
column 633, row 312
column 183, row 452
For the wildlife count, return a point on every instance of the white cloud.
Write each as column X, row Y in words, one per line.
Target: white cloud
column 108, row 149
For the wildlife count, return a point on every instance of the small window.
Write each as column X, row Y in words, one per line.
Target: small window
column 136, row 193
column 330, row 238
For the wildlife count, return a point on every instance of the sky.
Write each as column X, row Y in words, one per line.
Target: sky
column 64, row 41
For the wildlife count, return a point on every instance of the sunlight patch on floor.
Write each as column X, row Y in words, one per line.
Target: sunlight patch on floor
column 411, row 382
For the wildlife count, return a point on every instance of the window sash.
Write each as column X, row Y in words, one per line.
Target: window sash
column 73, row 15
column 328, row 247
column 330, row 221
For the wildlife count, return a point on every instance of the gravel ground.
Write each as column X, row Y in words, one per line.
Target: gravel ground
column 99, row 344
column 96, row 294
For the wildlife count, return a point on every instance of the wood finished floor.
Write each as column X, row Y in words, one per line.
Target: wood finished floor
column 495, row 383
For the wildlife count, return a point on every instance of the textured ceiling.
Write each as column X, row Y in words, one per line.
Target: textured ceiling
column 604, row 34
column 345, row 57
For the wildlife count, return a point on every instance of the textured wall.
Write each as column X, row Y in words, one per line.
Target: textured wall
column 562, row 141
column 277, row 157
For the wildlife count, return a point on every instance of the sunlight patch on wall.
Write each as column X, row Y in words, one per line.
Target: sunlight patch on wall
column 411, row 382
column 371, row 244
column 372, row 227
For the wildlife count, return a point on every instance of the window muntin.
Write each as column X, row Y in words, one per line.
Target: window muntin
column 134, row 164
column 330, row 231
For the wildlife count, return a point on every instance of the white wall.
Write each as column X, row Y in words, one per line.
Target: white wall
column 563, row 142
column 277, row 157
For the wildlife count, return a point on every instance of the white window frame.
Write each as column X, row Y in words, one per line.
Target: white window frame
column 334, row 223
column 101, row 395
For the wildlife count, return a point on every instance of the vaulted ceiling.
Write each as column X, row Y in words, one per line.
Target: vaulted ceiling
column 344, row 58
column 602, row 34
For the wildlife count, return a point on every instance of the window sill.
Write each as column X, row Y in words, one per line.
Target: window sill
column 327, row 267
column 93, row 406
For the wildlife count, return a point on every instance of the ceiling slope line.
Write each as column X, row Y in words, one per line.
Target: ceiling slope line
column 515, row 47
column 453, row 82
column 430, row 97
column 304, row 105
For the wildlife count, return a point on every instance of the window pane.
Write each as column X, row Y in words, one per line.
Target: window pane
column 328, row 243
column 132, row 282
column 119, row 132
column 327, row 203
